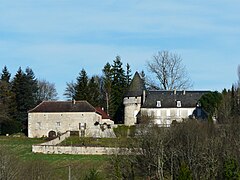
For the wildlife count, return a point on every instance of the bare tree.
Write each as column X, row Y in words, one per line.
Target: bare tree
column 169, row 71
column 46, row 91
column 10, row 167
column 70, row 90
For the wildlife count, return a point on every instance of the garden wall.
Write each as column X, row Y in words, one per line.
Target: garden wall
column 51, row 147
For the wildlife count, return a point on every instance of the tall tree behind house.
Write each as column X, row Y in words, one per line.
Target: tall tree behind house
column 81, row 87
column 25, row 88
column 119, row 85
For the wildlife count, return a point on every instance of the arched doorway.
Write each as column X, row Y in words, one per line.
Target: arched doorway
column 52, row 134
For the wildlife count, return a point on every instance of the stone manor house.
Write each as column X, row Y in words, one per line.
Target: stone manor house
column 160, row 107
column 51, row 118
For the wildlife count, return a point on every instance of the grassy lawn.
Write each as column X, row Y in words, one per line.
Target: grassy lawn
column 22, row 146
column 103, row 142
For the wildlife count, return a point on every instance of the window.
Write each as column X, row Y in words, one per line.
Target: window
column 159, row 104
column 38, row 125
column 58, row 124
column 82, row 126
column 178, row 103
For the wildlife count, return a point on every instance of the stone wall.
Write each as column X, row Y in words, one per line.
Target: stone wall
column 51, row 147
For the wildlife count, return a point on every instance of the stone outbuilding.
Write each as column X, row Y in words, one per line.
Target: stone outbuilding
column 52, row 118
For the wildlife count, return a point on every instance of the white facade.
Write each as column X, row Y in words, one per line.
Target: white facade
column 165, row 116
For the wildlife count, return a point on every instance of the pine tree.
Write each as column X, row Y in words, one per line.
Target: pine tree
column 25, row 89
column 93, row 96
column 128, row 75
column 7, row 97
column 5, row 76
column 107, row 84
column 81, row 86
column 119, row 85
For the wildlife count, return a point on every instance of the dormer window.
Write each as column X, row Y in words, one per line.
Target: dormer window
column 179, row 104
column 159, row 104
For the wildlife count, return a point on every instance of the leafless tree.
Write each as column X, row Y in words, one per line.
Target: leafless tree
column 70, row 90
column 37, row 169
column 46, row 91
column 10, row 167
column 169, row 72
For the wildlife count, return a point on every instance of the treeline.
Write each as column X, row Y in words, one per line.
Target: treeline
column 18, row 95
column 223, row 107
column 104, row 91
column 188, row 150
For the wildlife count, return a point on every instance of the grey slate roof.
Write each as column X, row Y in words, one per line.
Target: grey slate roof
column 169, row 99
column 63, row 106
column 136, row 87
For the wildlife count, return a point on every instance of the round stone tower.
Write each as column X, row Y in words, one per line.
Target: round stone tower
column 133, row 100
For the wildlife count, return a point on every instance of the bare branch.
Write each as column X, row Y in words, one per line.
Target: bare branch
column 169, row 71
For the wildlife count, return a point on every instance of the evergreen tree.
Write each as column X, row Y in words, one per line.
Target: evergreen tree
column 107, row 84
column 7, row 97
column 128, row 75
column 81, row 86
column 31, row 88
column 93, row 96
column 7, row 105
column 119, row 85
column 25, row 89
column 5, row 76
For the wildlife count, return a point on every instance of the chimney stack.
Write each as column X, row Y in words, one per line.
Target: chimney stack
column 184, row 92
column 73, row 101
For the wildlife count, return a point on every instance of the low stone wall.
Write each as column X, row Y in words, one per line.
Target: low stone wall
column 57, row 140
column 51, row 147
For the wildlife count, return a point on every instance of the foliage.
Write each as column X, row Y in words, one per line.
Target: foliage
column 118, row 89
column 25, row 88
column 82, row 86
column 93, row 175
column 124, row 131
column 9, row 126
column 211, row 102
column 231, row 170
column 184, row 173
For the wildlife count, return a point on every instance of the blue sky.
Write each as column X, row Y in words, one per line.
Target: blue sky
column 57, row 38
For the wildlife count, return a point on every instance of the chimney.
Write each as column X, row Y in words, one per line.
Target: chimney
column 73, row 101
column 184, row 92
column 144, row 96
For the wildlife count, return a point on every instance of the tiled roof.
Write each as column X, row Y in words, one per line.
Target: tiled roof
column 100, row 111
column 136, row 87
column 64, row 106
column 169, row 98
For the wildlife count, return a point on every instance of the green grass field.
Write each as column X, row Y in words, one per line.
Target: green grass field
column 81, row 164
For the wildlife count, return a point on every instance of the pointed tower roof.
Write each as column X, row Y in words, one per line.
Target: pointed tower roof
column 136, row 86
